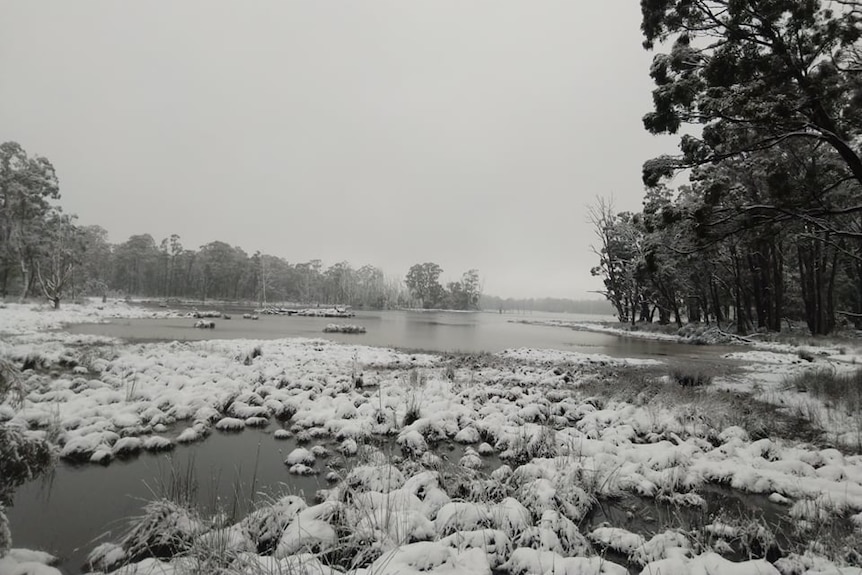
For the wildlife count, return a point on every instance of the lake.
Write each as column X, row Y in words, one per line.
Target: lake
column 472, row 332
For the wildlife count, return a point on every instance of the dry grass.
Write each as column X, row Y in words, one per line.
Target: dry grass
column 702, row 410
column 841, row 391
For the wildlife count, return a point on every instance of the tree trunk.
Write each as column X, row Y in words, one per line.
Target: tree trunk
column 741, row 320
column 26, row 284
column 778, row 283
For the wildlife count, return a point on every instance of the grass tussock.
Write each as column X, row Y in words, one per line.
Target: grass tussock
column 416, row 382
column 688, row 378
column 837, row 390
column 702, row 410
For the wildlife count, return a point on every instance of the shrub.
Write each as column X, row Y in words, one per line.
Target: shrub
column 805, row 355
column 691, row 378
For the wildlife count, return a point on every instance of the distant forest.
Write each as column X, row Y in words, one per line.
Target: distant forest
column 548, row 304
column 43, row 252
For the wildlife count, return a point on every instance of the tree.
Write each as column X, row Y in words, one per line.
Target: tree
column 95, row 268
column 754, row 75
column 371, row 288
column 310, row 280
column 472, row 286
column 423, row 282
column 621, row 260
column 338, row 283
column 664, row 264
column 136, row 269
column 27, row 186
column 63, row 249
column 222, row 269
column 775, row 87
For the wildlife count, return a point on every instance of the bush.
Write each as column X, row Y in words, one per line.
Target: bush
column 691, row 378
column 805, row 355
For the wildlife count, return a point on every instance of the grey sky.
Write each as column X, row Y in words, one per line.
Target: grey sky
column 471, row 134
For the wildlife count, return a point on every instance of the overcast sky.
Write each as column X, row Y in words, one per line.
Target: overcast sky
column 473, row 134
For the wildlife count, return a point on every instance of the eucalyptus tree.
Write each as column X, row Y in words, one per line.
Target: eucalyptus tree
column 94, row 273
column 775, row 89
column 136, row 265
column 370, row 288
column 622, row 260
column 666, row 264
column 28, row 186
column 338, row 284
column 423, row 281
column 754, row 75
column 62, row 253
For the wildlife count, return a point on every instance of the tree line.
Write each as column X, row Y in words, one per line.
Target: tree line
column 546, row 304
column 769, row 226
column 43, row 252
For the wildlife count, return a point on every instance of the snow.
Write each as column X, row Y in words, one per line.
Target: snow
column 27, row 562
column 526, row 561
column 411, row 441
column 348, row 447
column 127, row 446
column 300, row 455
column 510, row 516
column 301, row 469
column 496, row 544
column 430, row 558
column 707, row 564
column 106, row 556
column 382, row 478
column 306, row 534
column 462, row 516
column 23, row 319
column 158, row 443
column 618, row 539
column 230, row 424
column 564, row 451
column 552, row 356
column 227, row 540
column 467, row 435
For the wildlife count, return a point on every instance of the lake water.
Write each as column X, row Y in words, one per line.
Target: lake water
column 80, row 506
column 432, row 331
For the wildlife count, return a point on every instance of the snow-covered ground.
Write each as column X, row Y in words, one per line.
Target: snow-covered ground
column 704, row 334
column 16, row 319
column 565, row 443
